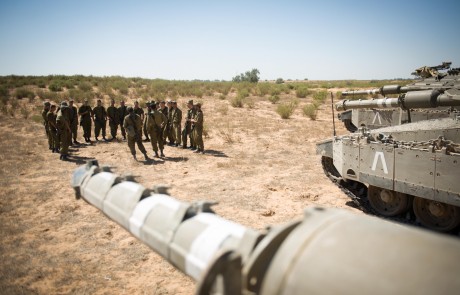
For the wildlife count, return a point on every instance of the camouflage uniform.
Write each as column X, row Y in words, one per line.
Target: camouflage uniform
column 85, row 113
column 169, row 129
column 140, row 112
column 112, row 114
column 197, row 132
column 122, row 113
column 176, row 125
column 45, row 123
column 187, row 131
column 63, row 126
column 100, row 121
column 134, row 123
column 73, row 113
column 51, row 118
column 155, row 121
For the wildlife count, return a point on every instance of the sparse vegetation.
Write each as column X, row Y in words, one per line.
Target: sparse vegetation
column 285, row 110
column 23, row 92
column 279, row 81
column 310, row 110
column 237, row 102
column 301, row 92
column 274, row 99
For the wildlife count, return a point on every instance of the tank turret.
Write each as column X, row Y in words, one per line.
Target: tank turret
column 328, row 251
column 379, row 113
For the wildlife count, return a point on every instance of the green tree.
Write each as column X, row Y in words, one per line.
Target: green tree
column 250, row 76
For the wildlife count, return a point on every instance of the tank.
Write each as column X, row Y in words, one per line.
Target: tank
column 409, row 171
column 374, row 118
column 327, row 251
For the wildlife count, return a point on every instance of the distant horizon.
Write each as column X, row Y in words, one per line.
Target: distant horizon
column 209, row 40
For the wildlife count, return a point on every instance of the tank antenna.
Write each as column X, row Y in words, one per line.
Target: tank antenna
column 333, row 116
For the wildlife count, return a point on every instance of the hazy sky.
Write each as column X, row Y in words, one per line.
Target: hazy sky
column 219, row 39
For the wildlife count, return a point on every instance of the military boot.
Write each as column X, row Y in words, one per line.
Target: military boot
column 146, row 156
column 156, row 154
column 161, row 153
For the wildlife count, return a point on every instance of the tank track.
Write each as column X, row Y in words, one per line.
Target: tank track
column 357, row 192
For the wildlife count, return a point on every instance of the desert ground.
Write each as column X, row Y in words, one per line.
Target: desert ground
column 261, row 169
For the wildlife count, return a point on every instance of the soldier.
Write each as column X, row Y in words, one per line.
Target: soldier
column 64, row 131
column 52, row 127
column 133, row 125
column 86, row 114
column 155, row 123
column 122, row 113
column 164, row 110
column 73, row 113
column 197, row 127
column 100, row 120
column 187, row 131
column 112, row 115
column 176, row 123
column 168, row 129
column 46, row 108
column 140, row 112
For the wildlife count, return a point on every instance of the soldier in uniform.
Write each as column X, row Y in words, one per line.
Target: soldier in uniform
column 133, row 125
column 122, row 113
column 140, row 112
column 197, row 126
column 163, row 109
column 86, row 114
column 52, row 127
column 100, row 120
column 176, row 123
column 73, row 121
column 169, row 129
column 64, row 131
column 187, row 131
column 112, row 115
column 155, row 123
column 46, row 108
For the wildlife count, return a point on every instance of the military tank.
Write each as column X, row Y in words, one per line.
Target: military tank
column 328, row 251
column 394, row 170
column 431, row 78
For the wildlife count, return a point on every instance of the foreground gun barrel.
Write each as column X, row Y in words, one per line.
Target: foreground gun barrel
column 329, row 251
column 411, row 100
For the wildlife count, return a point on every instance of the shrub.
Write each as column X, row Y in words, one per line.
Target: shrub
column 85, row 86
column 55, row 86
column 301, row 92
column 310, row 111
column 274, row 99
column 237, row 102
column 285, row 110
column 279, row 81
column 222, row 96
column 22, row 92
column 37, row 118
column 3, row 108
column 276, row 91
column 320, row 96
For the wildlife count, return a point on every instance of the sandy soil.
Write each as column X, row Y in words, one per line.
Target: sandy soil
column 261, row 169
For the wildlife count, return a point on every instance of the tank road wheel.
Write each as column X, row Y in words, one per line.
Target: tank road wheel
column 435, row 215
column 386, row 202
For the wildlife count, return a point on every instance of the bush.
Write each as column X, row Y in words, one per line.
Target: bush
column 301, row 92
column 55, row 86
column 274, row 99
column 22, row 92
column 320, row 96
column 85, row 86
column 222, row 97
column 310, row 111
column 237, row 102
column 285, row 110
column 279, row 81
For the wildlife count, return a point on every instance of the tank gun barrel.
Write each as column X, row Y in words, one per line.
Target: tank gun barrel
column 326, row 252
column 411, row 100
column 384, row 90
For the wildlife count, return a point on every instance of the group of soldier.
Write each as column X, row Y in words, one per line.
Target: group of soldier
column 161, row 123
